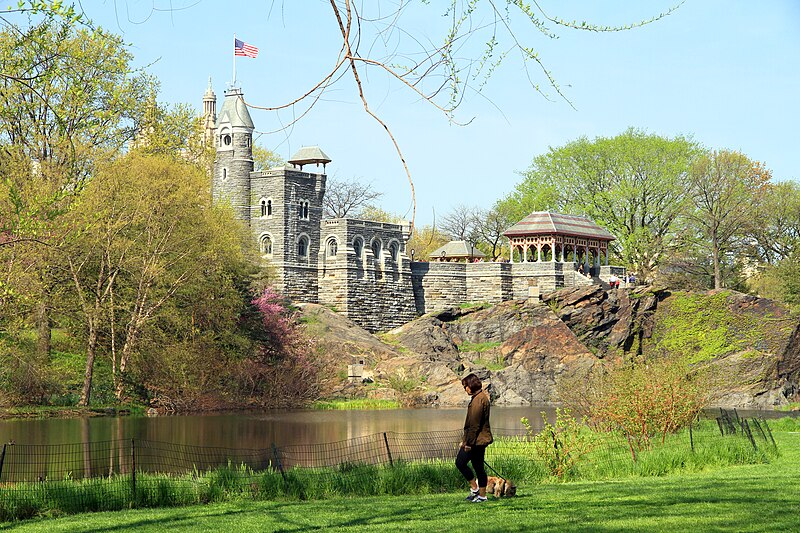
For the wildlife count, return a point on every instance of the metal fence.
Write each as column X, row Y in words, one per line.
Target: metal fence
column 137, row 472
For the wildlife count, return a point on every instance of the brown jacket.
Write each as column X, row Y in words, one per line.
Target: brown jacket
column 477, row 431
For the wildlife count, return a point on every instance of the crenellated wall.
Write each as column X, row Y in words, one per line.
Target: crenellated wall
column 364, row 272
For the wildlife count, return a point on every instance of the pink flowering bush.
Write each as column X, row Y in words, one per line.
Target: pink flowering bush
column 286, row 367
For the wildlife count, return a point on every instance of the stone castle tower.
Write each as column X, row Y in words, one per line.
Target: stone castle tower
column 233, row 139
column 281, row 206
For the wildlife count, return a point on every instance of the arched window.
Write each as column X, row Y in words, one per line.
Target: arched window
column 376, row 249
column 263, row 207
column 358, row 248
column 394, row 252
column 305, row 210
column 224, row 174
column 332, row 247
column 269, row 208
column 226, row 140
column 265, row 244
column 302, row 247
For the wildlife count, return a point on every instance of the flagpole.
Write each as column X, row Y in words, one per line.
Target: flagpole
column 233, row 83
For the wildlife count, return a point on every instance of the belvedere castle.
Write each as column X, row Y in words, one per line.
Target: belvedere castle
column 362, row 268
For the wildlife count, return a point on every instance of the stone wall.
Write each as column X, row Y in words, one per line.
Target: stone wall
column 368, row 277
column 438, row 286
column 285, row 189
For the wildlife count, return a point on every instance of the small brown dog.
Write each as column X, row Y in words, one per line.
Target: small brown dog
column 500, row 487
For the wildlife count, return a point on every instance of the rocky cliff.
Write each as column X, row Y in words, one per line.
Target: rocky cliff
column 522, row 348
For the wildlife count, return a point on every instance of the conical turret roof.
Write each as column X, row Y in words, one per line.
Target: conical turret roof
column 234, row 111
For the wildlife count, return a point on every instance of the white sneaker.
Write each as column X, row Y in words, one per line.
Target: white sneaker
column 472, row 495
column 479, row 499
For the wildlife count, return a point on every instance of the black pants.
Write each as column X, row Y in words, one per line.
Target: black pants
column 475, row 454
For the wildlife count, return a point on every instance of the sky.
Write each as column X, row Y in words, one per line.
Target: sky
column 726, row 73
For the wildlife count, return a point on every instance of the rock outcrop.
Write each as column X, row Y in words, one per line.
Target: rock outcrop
column 522, row 348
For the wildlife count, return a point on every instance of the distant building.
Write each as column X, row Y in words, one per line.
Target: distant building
column 455, row 252
column 360, row 267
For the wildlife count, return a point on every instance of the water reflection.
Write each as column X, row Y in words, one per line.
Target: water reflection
column 256, row 429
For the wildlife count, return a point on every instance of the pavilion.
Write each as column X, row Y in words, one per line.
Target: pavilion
column 555, row 237
column 456, row 251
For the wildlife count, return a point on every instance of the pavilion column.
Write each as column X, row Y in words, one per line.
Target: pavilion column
column 539, row 253
column 606, row 256
column 553, row 251
column 510, row 251
column 525, row 253
column 586, row 259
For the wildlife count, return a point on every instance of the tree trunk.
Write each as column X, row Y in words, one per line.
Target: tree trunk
column 44, row 341
column 715, row 256
column 91, row 350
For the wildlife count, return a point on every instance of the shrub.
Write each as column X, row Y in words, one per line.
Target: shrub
column 563, row 445
column 643, row 400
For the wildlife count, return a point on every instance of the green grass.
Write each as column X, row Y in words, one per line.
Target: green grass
column 355, row 404
column 759, row 497
column 479, row 347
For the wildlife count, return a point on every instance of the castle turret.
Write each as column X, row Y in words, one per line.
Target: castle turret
column 234, row 161
column 209, row 114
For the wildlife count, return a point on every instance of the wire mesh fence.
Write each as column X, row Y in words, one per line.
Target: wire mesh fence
column 118, row 474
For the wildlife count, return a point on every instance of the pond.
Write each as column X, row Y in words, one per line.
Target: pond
column 254, row 430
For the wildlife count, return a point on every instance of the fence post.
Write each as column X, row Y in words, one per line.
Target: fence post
column 691, row 438
column 388, row 451
column 769, row 432
column 278, row 460
column 133, row 471
column 746, row 428
column 719, row 423
column 2, row 459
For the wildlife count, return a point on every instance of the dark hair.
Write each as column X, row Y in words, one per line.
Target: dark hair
column 473, row 382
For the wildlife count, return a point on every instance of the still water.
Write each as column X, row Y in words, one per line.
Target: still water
column 253, row 430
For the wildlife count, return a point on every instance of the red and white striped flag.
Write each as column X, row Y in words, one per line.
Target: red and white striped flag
column 241, row 48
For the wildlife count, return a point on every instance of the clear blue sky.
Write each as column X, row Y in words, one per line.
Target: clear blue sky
column 725, row 72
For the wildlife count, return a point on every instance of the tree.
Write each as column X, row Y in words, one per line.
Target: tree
column 725, row 187
column 350, row 197
column 67, row 95
column 462, row 224
column 632, row 184
column 144, row 229
column 490, row 225
column 774, row 231
column 264, row 159
column 66, row 92
column 425, row 240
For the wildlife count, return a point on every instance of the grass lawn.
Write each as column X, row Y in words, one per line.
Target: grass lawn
column 761, row 497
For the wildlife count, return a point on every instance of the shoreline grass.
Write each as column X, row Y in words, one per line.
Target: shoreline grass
column 514, row 457
column 355, row 404
column 759, row 497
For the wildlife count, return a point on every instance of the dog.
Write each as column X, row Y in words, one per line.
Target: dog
column 500, row 487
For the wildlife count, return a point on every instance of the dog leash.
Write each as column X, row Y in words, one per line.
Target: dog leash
column 493, row 470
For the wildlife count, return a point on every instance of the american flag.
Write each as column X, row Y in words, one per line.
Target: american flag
column 241, row 48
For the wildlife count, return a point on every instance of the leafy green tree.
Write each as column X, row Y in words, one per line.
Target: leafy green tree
column 633, row 184
column 68, row 97
column 143, row 229
column 424, row 241
column 725, row 189
column 264, row 159
column 774, row 230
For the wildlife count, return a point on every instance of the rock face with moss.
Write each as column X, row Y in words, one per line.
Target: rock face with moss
column 521, row 349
